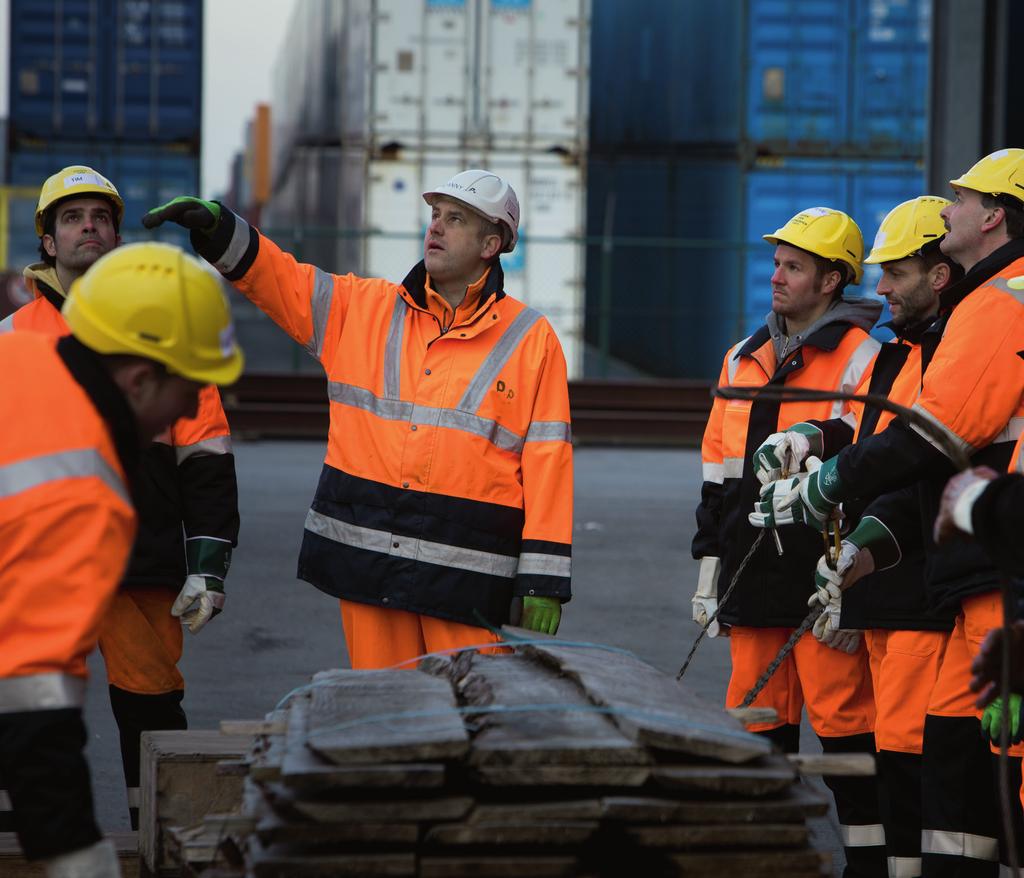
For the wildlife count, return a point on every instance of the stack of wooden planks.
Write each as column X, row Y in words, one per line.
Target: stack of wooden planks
column 546, row 760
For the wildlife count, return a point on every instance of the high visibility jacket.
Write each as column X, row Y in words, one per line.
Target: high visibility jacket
column 187, row 476
column 973, row 391
column 774, row 588
column 447, row 486
column 66, row 518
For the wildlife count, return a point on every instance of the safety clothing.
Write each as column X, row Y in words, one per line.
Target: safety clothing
column 447, row 487
column 705, row 599
column 828, row 584
column 66, row 528
column 999, row 173
column 790, row 501
column 197, row 602
column 96, row 861
column 75, row 181
column 542, row 614
column 187, row 211
column 489, row 195
column 784, row 453
column 908, row 228
column 773, row 589
column 42, row 314
column 186, row 324
column 825, row 232
column 992, row 720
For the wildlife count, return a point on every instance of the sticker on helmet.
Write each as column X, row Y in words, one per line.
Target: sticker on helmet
column 86, row 180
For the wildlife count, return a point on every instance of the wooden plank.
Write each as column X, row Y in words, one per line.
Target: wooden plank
column 796, row 804
column 719, row 835
column 370, row 810
column 179, row 784
column 271, row 829
column 564, row 775
column 279, row 861
column 535, row 812
column 302, row 769
column 498, row 867
column 751, row 864
column 751, row 715
column 651, row 707
column 14, row 865
column 564, row 833
column 559, row 735
column 384, row 716
column 252, row 727
column 268, row 748
column 829, row 764
column 761, row 780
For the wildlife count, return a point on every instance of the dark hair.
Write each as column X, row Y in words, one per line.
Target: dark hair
column 823, row 266
column 931, row 255
column 1012, row 208
column 50, row 222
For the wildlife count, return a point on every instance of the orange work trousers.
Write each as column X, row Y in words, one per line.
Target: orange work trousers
column 836, row 687
column 381, row 638
column 141, row 641
column 904, row 668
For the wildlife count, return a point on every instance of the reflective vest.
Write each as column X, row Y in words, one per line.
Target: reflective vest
column 447, row 486
column 187, row 476
column 774, row 588
column 66, row 518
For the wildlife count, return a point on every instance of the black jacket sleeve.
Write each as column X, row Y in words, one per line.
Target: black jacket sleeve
column 998, row 522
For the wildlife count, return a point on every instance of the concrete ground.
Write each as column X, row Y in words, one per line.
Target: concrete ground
column 632, row 580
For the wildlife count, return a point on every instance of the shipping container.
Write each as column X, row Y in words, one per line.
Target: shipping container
column 426, row 74
column 124, row 69
column 829, row 77
column 144, row 177
column 686, row 272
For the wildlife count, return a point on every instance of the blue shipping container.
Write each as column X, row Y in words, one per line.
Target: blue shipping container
column 124, row 69
column 144, row 176
column 838, row 77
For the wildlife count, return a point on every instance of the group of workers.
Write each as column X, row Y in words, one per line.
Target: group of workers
column 913, row 586
column 444, row 507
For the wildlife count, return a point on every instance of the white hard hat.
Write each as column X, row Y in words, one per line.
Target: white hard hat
column 489, row 195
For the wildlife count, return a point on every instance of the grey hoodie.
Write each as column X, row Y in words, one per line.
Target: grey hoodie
column 860, row 311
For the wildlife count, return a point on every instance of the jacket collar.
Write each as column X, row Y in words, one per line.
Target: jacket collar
column 827, row 338
column 911, row 333
column 415, row 281
column 43, row 283
column 991, row 265
column 87, row 369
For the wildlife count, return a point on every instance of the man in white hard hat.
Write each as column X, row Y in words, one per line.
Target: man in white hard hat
column 446, row 493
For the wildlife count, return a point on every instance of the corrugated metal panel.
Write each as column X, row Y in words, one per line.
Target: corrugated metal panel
column 145, row 177
column 130, row 69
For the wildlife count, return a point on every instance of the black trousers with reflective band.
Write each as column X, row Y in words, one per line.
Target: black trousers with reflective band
column 43, row 767
column 899, row 790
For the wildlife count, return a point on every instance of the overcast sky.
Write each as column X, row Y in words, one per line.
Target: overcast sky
column 241, row 42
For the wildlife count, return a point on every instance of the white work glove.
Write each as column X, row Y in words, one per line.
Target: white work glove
column 99, row 860
column 705, row 599
column 783, row 453
column 796, row 500
column 828, row 584
column 200, row 599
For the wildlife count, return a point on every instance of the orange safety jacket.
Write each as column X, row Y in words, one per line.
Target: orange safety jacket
column 774, row 588
column 447, row 486
column 187, row 475
column 66, row 518
column 973, row 391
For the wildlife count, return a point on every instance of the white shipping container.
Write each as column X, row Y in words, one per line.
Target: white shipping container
column 384, row 197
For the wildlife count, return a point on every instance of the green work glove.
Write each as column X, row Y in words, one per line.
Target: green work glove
column 992, row 719
column 784, row 453
column 801, row 499
column 185, row 210
column 542, row 614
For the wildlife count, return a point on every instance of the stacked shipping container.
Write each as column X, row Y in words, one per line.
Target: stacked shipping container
column 712, row 124
column 377, row 100
column 114, row 84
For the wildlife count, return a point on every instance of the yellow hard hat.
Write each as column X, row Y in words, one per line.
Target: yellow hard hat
column 155, row 301
column 1001, row 173
column 824, row 232
column 75, row 180
column 907, row 228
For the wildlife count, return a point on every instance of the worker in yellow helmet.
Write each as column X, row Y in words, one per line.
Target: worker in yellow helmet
column 149, row 327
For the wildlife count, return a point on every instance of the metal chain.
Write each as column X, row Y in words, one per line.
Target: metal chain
column 787, row 648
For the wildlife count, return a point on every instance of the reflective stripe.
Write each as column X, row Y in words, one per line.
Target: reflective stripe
column 927, row 415
column 549, row 431
column 393, row 351
column 1011, row 432
column 41, row 692
column 320, row 310
column 7, row 324
column 733, row 467
column 5, row 801
column 134, row 797
column 850, row 419
column 865, row 835
column 36, row 471
column 959, row 844
column 732, row 361
column 536, row 564
column 496, row 359
column 713, row 472
column 904, row 867
column 1003, row 284
column 409, row 547
column 216, row 445
column 236, row 249
column 856, row 366
column 398, row 410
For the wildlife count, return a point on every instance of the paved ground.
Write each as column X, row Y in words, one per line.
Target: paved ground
column 632, row 577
